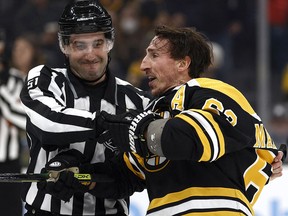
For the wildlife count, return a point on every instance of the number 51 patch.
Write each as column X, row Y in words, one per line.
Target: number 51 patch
column 32, row 83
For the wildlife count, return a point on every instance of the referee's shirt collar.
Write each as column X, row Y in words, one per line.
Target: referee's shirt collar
column 79, row 86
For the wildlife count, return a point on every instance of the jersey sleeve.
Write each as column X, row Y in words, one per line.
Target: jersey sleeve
column 212, row 121
column 200, row 136
column 45, row 98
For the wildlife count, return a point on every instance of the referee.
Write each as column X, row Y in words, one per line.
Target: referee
column 62, row 105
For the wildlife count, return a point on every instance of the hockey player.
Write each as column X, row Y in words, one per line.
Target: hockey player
column 62, row 105
column 202, row 150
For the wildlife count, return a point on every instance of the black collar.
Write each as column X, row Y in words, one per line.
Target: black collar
column 81, row 88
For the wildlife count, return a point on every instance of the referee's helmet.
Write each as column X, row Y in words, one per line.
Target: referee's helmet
column 84, row 16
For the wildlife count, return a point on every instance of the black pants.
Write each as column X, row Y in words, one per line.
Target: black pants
column 10, row 193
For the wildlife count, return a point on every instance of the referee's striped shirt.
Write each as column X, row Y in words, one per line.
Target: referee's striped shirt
column 12, row 115
column 61, row 114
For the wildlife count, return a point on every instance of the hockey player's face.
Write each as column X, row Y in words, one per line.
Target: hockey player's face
column 160, row 69
column 88, row 56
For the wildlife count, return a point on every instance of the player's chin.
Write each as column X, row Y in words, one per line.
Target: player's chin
column 155, row 92
column 154, row 88
column 152, row 84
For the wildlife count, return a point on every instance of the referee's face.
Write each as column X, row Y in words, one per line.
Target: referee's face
column 88, row 56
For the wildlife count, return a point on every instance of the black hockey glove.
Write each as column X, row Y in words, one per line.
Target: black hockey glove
column 128, row 130
column 98, row 124
column 65, row 186
column 69, row 159
column 283, row 148
column 62, row 183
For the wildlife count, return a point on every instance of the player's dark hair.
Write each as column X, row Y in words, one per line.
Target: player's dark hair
column 188, row 42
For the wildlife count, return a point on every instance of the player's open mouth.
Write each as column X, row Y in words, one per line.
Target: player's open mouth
column 150, row 79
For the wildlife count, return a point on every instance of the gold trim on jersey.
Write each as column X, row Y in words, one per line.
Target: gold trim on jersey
column 196, row 200
column 130, row 163
column 228, row 90
column 207, row 152
column 153, row 164
column 212, row 129
column 255, row 176
column 266, row 155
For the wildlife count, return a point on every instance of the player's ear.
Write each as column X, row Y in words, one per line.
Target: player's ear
column 184, row 64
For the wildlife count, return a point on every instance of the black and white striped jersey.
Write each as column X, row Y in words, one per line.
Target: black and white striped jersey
column 61, row 113
column 12, row 115
column 218, row 153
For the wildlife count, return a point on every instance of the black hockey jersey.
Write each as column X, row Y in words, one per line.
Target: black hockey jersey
column 218, row 153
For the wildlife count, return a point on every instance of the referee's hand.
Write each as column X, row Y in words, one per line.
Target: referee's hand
column 65, row 187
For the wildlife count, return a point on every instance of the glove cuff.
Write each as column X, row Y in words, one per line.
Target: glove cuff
column 143, row 119
column 65, row 159
column 154, row 134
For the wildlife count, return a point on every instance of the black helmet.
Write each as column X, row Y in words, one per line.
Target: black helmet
column 85, row 16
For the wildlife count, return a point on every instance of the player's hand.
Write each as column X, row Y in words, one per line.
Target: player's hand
column 65, row 186
column 69, row 159
column 277, row 166
column 128, row 130
column 278, row 162
column 98, row 124
column 62, row 183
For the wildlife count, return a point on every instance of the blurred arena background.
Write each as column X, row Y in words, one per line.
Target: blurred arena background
column 250, row 40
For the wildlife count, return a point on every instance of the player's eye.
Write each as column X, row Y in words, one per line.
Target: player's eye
column 154, row 55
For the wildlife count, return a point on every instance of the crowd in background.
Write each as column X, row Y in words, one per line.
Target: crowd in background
column 230, row 24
